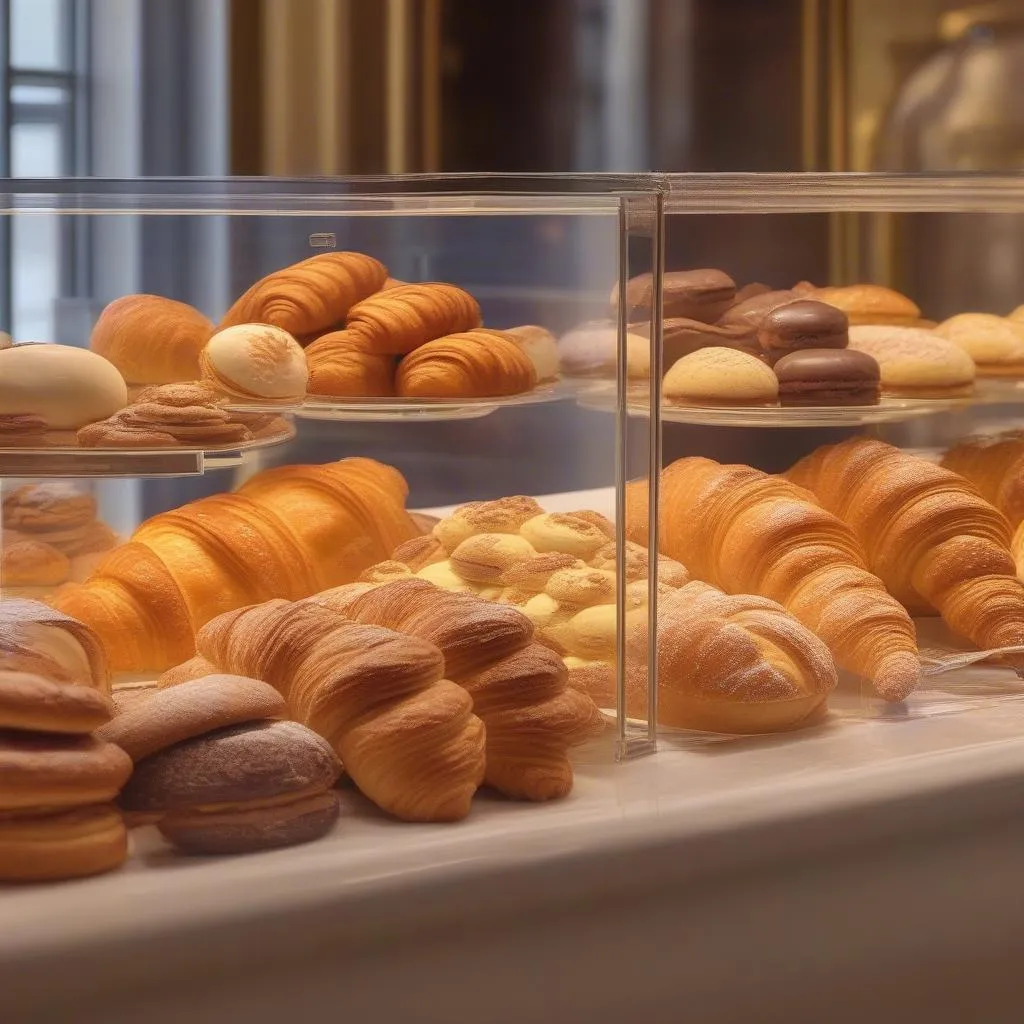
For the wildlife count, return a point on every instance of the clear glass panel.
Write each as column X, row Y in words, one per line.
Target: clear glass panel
column 36, row 150
column 38, row 29
column 37, row 94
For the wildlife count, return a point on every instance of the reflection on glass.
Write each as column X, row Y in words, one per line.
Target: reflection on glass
column 37, row 33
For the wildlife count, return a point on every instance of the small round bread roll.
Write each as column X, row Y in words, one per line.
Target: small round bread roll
column 255, row 362
column 539, row 346
column 871, row 304
column 66, row 387
column 720, row 376
column 580, row 534
column 189, row 709
column 33, row 703
column 995, row 343
column 248, row 787
column 59, row 771
column 32, row 568
column 589, row 350
column 68, row 844
column 915, row 363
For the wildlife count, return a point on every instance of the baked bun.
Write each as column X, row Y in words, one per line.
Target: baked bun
column 915, row 363
column 255, row 362
column 248, row 787
column 150, row 339
column 995, row 343
column 871, row 304
column 66, row 387
column 589, row 349
column 539, row 346
column 27, row 564
column 730, row 664
column 178, row 713
column 36, row 704
column 720, row 376
column 44, row 771
column 70, row 844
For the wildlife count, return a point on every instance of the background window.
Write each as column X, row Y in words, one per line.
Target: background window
column 43, row 92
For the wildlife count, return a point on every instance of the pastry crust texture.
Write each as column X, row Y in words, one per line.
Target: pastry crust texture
column 150, row 339
column 996, row 468
column 476, row 364
column 745, row 532
column 309, row 297
column 399, row 320
column 343, row 365
column 931, row 537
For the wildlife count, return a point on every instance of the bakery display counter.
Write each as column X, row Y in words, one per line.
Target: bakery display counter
column 837, row 842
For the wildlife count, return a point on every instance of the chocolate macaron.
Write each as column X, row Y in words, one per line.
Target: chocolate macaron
column 803, row 324
column 256, row 786
column 828, row 376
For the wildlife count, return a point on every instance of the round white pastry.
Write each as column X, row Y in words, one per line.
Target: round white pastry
column 539, row 346
column 256, row 361
column 67, row 387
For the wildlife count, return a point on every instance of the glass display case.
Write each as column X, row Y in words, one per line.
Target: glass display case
column 532, row 544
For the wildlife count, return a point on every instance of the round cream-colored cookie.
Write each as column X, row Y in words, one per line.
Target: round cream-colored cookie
column 66, row 387
column 870, row 304
column 482, row 559
column 539, row 346
column 995, row 343
column 442, row 575
column 582, row 588
column 580, row 534
column 505, row 515
column 720, row 376
column 915, row 362
column 256, row 362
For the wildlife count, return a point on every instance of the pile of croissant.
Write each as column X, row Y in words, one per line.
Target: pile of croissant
column 365, row 335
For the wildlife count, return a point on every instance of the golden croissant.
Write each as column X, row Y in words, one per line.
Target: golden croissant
column 400, row 319
column 519, row 688
column 475, row 364
column 406, row 735
column 935, row 542
column 996, row 467
column 150, row 339
column 310, row 297
column 749, row 533
column 341, row 365
column 288, row 532
column 730, row 664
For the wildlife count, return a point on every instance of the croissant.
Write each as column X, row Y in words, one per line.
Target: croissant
column 474, row 364
column 407, row 737
column 309, row 297
column 288, row 532
column 38, row 640
column 400, row 319
column 730, row 664
column 935, row 542
column 342, row 365
column 519, row 688
column 996, row 468
column 150, row 339
column 748, row 533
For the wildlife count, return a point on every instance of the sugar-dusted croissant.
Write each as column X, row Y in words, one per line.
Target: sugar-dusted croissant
column 309, row 297
column 41, row 641
column 730, row 664
column 342, row 365
column 935, row 542
column 289, row 532
column 995, row 465
column 150, row 339
column 519, row 688
column 400, row 319
column 406, row 735
column 475, row 364
column 749, row 533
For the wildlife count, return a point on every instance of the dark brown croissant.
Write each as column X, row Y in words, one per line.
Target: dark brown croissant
column 309, row 297
column 474, row 364
column 398, row 320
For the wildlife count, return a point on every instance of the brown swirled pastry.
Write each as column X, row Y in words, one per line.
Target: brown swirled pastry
column 474, row 364
column 311, row 296
column 396, row 321
column 341, row 364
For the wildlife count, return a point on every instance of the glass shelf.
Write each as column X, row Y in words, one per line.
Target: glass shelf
column 44, row 463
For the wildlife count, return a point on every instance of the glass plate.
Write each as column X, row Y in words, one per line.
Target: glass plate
column 998, row 390
column 40, row 463
column 888, row 410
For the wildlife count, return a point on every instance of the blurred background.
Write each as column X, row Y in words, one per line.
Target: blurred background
column 125, row 88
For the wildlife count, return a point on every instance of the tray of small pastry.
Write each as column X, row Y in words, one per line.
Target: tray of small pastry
column 804, row 356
